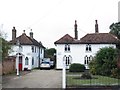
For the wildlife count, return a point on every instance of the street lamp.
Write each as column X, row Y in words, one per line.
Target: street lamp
column 17, row 58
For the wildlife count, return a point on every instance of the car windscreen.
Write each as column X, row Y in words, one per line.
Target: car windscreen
column 45, row 63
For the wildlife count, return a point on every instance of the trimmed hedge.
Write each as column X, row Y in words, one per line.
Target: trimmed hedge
column 76, row 67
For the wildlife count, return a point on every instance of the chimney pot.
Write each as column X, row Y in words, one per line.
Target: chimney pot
column 13, row 33
column 31, row 34
column 76, row 32
column 23, row 31
column 96, row 27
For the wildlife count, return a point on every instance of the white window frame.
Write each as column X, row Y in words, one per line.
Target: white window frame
column 88, row 48
column 26, row 61
column 67, row 48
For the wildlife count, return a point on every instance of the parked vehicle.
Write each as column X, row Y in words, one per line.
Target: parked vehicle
column 46, row 60
column 45, row 65
column 52, row 64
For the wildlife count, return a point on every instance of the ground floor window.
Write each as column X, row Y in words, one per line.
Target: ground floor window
column 32, row 60
column 87, row 59
column 68, row 60
column 26, row 61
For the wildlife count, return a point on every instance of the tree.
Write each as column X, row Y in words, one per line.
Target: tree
column 4, row 47
column 115, row 29
column 49, row 53
column 105, row 62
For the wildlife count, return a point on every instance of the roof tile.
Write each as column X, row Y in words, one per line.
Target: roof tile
column 26, row 40
column 94, row 38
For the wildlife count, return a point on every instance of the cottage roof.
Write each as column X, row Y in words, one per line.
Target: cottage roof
column 26, row 40
column 99, row 38
column 94, row 38
column 66, row 39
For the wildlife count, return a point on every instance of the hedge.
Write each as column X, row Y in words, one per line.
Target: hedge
column 76, row 67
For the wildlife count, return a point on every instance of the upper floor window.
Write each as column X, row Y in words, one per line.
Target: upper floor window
column 21, row 49
column 35, row 49
column 67, row 47
column 88, row 47
column 41, row 51
column 32, row 48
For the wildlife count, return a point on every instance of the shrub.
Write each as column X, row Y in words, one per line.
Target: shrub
column 105, row 62
column 76, row 67
column 86, row 75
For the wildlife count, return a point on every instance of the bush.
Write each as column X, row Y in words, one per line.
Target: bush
column 86, row 75
column 76, row 67
column 105, row 62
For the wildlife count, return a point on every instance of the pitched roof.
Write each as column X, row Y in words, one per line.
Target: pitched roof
column 94, row 38
column 66, row 39
column 26, row 40
column 99, row 38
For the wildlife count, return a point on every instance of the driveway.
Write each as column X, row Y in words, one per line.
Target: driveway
column 36, row 79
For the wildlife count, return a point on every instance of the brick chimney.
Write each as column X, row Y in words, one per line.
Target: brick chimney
column 96, row 27
column 13, row 33
column 31, row 34
column 75, row 28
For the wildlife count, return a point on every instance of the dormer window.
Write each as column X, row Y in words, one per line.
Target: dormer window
column 88, row 48
column 67, row 47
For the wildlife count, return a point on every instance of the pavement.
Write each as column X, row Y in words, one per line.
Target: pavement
column 34, row 79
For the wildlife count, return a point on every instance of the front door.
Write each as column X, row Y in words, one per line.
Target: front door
column 20, row 63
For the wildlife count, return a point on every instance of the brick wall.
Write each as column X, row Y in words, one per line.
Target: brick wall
column 8, row 65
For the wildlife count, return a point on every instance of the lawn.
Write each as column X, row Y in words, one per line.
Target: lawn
column 74, row 80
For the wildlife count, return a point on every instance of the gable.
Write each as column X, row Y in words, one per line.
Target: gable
column 67, row 39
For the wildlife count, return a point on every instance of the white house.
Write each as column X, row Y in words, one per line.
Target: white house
column 82, row 51
column 32, row 51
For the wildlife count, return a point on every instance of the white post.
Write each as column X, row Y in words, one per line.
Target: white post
column 17, row 61
column 64, row 75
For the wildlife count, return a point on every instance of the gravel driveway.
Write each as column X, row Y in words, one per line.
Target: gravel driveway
column 36, row 79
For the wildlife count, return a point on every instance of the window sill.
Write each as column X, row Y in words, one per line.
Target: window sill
column 67, row 51
column 88, row 51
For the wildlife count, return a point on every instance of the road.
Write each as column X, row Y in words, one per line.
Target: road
column 36, row 79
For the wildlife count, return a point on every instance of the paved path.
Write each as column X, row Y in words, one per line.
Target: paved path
column 36, row 79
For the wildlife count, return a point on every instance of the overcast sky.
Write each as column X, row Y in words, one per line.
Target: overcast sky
column 52, row 19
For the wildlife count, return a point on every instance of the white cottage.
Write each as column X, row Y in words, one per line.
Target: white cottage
column 82, row 51
column 32, row 51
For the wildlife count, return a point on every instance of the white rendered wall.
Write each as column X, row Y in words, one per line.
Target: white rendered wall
column 77, row 52
column 27, row 52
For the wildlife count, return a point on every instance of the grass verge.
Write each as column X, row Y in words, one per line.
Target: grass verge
column 74, row 80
